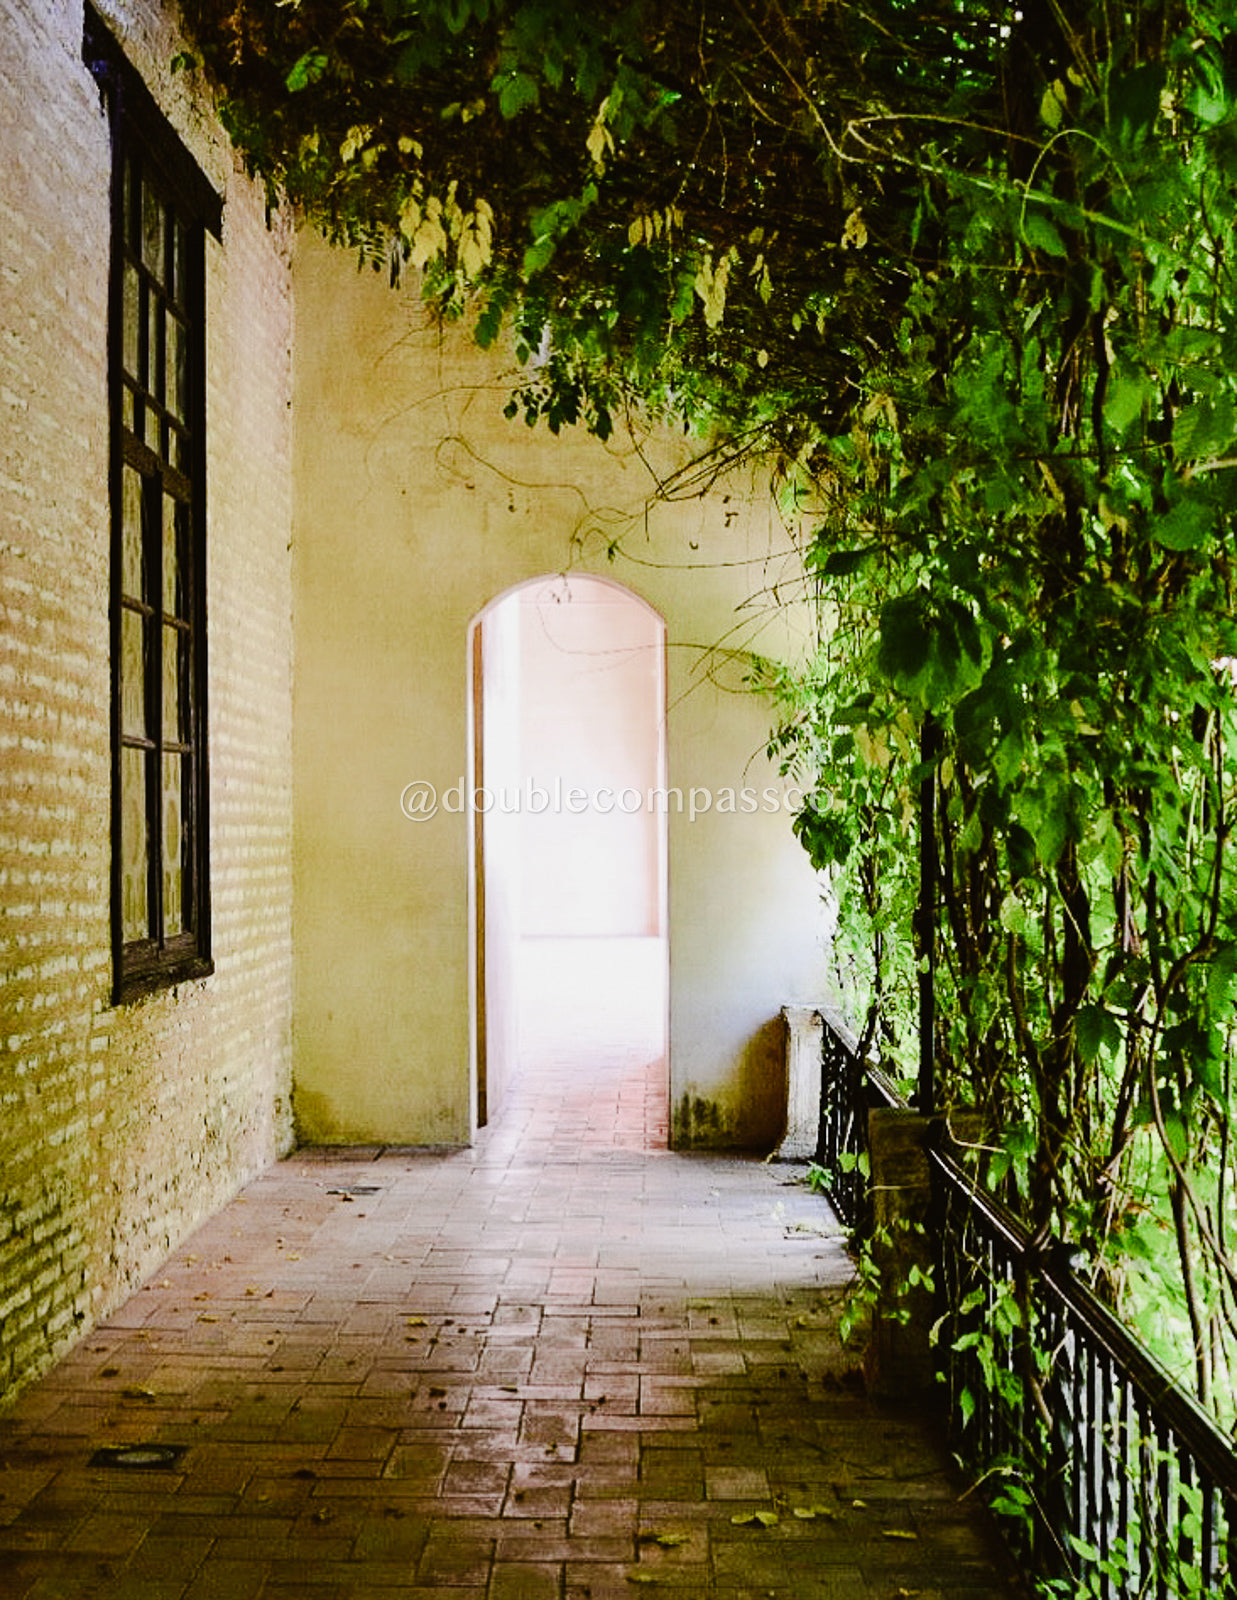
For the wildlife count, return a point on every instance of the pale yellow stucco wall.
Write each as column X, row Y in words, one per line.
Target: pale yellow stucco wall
column 418, row 503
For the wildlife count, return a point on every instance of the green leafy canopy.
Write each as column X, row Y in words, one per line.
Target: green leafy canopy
column 960, row 273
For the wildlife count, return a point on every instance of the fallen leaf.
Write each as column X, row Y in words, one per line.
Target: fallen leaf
column 760, row 1519
column 206, row 1316
column 641, row 1577
column 138, row 1394
column 811, row 1513
column 417, row 1322
column 898, row 1533
column 667, row 1541
column 860, row 1505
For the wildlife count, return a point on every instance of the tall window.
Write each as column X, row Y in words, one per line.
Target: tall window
column 161, row 209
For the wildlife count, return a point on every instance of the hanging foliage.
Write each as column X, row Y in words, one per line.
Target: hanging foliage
column 961, row 272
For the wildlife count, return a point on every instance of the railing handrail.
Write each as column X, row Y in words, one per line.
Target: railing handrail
column 837, row 1023
column 881, row 1080
column 1152, row 1381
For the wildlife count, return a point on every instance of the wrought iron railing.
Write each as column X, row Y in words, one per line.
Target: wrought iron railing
column 1113, row 1482
column 850, row 1087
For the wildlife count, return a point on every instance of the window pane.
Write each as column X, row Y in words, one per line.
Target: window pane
column 154, row 371
column 173, row 575
column 174, row 718
column 135, row 849
column 175, row 841
column 132, row 568
column 178, row 449
column 126, row 200
column 133, row 673
column 176, row 284
column 132, row 326
column 177, row 368
column 153, row 232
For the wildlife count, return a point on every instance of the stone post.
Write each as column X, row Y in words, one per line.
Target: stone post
column 899, row 1361
column 805, row 1032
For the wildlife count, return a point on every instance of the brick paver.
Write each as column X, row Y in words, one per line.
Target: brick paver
column 559, row 1366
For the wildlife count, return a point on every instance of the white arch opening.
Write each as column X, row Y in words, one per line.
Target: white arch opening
column 570, row 959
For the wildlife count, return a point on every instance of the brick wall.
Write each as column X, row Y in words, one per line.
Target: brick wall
column 121, row 1128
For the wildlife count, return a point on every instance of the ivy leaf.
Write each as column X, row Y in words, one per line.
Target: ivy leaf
column 1125, row 397
column 311, row 66
column 457, row 13
column 1176, row 1134
column 515, row 90
column 1013, row 913
column 1208, row 100
column 1204, row 429
column 905, row 640
column 1042, row 808
column 489, row 323
column 1220, row 975
column 1052, row 104
column 1042, row 234
column 711, row 285
column 1134, row 100
column 1008, row 757
column 1185, row 527
column 841, row 563
column 1096, row 1029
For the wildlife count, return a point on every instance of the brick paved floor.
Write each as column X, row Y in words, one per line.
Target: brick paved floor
column 556, row 1367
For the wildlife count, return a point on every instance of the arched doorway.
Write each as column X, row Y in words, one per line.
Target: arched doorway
column 569, row 839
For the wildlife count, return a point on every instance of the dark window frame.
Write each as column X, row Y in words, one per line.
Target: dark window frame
column 157, row 497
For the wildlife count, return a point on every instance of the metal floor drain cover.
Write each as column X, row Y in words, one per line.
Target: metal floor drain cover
column 358, row 1188
column 142, row 1457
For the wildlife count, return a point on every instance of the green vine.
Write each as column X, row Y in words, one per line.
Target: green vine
column 960, row 276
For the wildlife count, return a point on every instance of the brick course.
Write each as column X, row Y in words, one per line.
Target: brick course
column 121, row 1128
